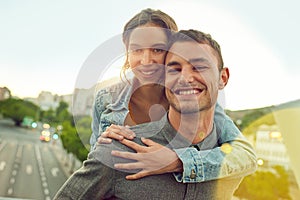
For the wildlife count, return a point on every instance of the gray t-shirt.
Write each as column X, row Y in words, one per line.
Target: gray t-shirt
column 97, row 179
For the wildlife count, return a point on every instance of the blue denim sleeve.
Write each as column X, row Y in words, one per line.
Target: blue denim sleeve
column 97, row 110
column 234, row 157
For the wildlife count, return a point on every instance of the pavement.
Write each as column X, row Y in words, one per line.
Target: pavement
column 68, row 162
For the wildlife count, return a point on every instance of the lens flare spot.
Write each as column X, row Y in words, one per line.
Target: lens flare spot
column 226, row 148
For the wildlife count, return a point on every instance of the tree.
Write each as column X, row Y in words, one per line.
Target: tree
column 62, row 113
column 48, row 116
column 261, row 185
column 71, row 141
column 17, row 109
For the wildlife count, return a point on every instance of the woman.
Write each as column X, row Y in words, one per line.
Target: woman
column 143, row 100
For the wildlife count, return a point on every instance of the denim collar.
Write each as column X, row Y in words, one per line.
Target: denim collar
column 124, row 90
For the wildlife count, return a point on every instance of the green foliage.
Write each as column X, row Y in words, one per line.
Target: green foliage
column 84, row 130
column 249, row 118
column 17, row 109
column 265, row 185
column 72, row 142
column 48, row 116
column 267, row 119
column 57, row 116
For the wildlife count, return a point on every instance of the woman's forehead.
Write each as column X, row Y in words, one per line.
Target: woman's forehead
column 147, row 36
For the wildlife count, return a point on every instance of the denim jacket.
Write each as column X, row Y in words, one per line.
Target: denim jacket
column 111, row 107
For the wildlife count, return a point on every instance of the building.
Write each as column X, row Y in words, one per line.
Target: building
column 270, row 147
column 4, row 93
column 46, row 100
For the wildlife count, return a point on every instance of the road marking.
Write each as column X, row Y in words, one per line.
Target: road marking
column 2, row 165
column 12, row 180
column 46, row 191
column 28, row 169
column 14, row 172
column 2, row 145
column 54, row 171
column 42, row 172
column 47, row 198
column 10, row 191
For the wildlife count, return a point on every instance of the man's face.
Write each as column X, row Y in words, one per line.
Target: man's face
column 192, row 77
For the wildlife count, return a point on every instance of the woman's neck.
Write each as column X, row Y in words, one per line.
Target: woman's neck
column 147, row 103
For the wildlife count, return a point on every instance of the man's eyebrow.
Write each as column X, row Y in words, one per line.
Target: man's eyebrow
column 172, row 63
column 193, row 60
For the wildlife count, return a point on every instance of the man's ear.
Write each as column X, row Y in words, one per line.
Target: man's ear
column 224, row 76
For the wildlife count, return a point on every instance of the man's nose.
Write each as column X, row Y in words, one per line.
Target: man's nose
column 186, row 76
column 146, row 57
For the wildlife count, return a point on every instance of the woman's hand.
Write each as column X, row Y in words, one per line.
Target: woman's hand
column 116, row 132
column 152, row 159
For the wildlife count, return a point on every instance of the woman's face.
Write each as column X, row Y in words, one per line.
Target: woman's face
column 146, row 53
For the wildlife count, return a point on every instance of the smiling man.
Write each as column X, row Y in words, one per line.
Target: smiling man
column 194, row 74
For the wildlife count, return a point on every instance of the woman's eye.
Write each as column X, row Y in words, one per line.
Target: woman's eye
column 137, row 50
column 158, row 50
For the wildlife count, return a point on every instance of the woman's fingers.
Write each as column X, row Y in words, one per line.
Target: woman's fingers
column 103, row 140
column 124, row 154
column 133, row 145
column 109, row 134
column 128, row 166
column 124, row 131
column 138, row 175
column 149, row 142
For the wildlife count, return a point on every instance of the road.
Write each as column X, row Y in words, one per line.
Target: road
column 29, row 168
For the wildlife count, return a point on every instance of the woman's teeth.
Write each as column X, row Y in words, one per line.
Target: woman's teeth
column 148, row 72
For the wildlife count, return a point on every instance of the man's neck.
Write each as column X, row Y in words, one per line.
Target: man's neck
column 193, row 126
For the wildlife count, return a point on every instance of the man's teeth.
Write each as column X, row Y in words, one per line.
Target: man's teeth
column 148, row 72
column 187, row 92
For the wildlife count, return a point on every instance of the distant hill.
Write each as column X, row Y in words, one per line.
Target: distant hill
column 235, row 115
column 290, row 104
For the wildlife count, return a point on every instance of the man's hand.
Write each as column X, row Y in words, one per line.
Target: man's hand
column 151, row 159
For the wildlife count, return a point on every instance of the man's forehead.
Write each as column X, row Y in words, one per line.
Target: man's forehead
column 190, row 49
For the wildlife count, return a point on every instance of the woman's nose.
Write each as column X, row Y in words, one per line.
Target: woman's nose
column 146, row 57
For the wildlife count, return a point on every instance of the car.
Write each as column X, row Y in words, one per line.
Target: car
column 45, row 136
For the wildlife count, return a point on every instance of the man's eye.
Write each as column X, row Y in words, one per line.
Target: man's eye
column 199, row 68
column 173, row 70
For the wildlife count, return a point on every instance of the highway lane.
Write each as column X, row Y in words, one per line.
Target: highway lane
column 28, row 167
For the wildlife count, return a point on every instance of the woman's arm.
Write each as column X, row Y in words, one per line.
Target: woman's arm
column 234, row 157
column 102, row 99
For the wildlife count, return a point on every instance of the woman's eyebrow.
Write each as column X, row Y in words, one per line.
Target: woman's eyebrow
column 156, row 45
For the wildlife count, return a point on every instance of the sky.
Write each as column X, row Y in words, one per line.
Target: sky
column 44, row 45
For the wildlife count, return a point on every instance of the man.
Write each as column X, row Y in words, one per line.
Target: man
column 194, row 74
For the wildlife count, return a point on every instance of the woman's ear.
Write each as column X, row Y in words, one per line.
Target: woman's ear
column 224, row 76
